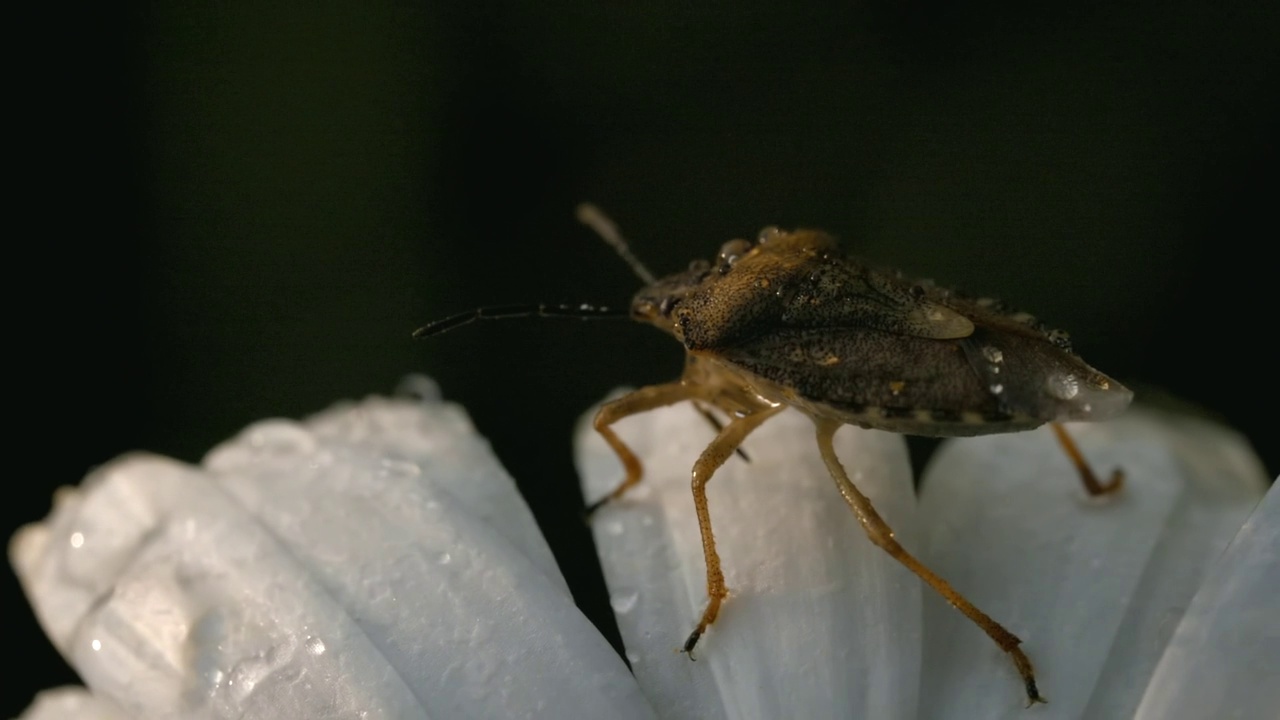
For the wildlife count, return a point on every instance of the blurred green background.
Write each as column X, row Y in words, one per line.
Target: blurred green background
column 242, row 209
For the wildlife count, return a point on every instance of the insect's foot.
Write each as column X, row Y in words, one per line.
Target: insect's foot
column 593, row 507
column 1114, row 483
column 1023, row 663
column 1033, row 694
column 691, row 641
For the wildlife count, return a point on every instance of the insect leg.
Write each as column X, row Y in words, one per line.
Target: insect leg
column 715, row 423
column 1091, row 484
column 642, row 400
column 711, row 459
column 880, row 534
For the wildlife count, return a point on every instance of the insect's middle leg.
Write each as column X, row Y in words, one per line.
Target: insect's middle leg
column 1090, row 481
column 642, row 400
column 711, row 459
column 880, row 534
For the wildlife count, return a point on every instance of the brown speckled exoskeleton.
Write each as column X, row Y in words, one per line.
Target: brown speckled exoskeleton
column 789, row 321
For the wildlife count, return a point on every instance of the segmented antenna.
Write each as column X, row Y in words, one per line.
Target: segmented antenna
column 503, row 312
column 594, row 218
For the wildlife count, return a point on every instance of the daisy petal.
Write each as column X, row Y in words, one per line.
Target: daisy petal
column 374, row 562
column 1094, row 587
column 818, row 622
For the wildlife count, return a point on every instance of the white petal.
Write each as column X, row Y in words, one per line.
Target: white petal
column 819, row 622
column 1223, row 659
column 375, row 562
column 1093, row 587
column 71, row 703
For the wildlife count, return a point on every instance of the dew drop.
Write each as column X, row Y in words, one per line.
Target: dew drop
column 444, row 558
column 993, row 355
column 96, row 644
column 281, row 438
column 613, row 528
column 767, row 234
column 997, row 388
column 314, row 645
column 732, row 250
column 1063, row 387
column 624, row 602
column 77, row 539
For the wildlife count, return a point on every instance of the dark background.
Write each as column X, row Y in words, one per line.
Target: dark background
column 242, row 210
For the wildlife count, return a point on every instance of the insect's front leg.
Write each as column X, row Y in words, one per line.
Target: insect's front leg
column 642, row 400
column 1087, row 478
column 711, row 459
column 880, row 533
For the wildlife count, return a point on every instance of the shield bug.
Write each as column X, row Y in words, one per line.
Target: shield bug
column 790, row 321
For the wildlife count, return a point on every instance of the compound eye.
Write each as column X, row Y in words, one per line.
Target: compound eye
column 731, row 251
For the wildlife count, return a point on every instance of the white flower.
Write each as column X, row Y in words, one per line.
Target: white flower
column 376, row 562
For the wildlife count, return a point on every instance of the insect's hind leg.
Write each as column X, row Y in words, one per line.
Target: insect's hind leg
column 880, row 534
column 1087, row 478
column 642, row 400
column 711, row 459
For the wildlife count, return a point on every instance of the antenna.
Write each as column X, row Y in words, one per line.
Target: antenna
column 594, row 218
column 504, row 312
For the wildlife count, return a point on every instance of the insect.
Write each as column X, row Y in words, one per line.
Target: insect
column 789, row 321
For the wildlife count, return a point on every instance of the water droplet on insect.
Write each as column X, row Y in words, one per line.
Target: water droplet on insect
column 993, row 355
column 624, row 602
column 769, row 233
column 732, row 250
column 997, row 388
column 444, row 558
column 613, row 528
column 96, row 644
column 314, row 645
column 632, row 657
column 1063, row 386
column 77, row 540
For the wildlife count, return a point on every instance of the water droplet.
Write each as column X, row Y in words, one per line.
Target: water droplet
column 96, row 644
column 419, row 387
column 624, row 602
column 314, row 645
column 613, row 528
column 77, row 539
column 997, row 388
column 633, row 657
column 1063, row 387
column 444, row 558
column 281, row 438
column 993, row 355
column 766, row 234
column 732, row 250
column 995, row 369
